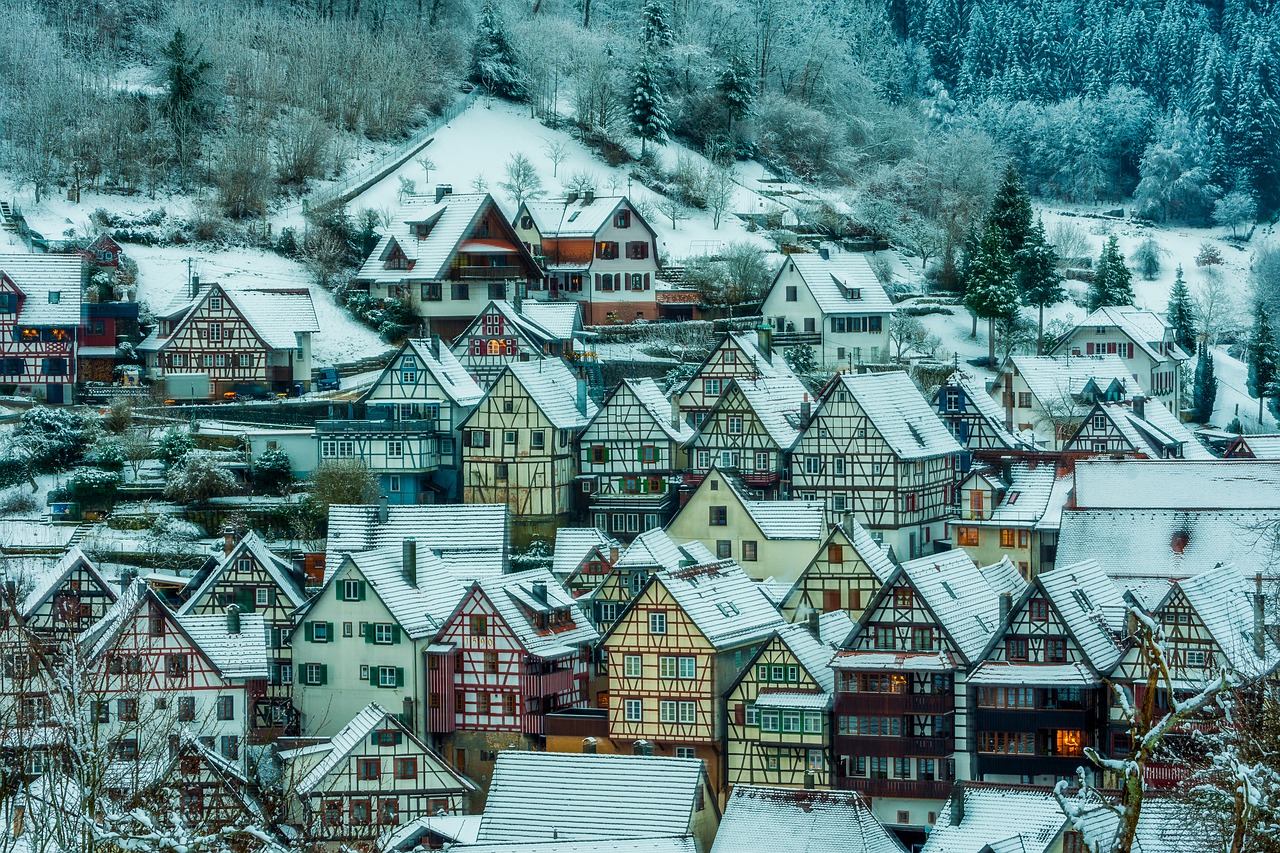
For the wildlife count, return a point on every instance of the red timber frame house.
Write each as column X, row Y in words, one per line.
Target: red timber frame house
column 40, row 316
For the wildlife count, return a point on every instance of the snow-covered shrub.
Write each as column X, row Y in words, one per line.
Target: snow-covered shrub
column 119, row 416
column 94, row 486
column 108, row 455
column 537, row 556
column 51, row 439
column 19, row 500
column 272, row 470
column 198, row 477
column 174, row 445
column 175, row 529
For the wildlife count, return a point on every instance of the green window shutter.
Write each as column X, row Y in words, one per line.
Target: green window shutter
column 271, row 595
column 373, row 738
column 399, row 676
column 324, row 673
column 399, row 735
column 373, row 676
column 328, row 632
column 606, row 454
column 360, row 591
column 640, row 454
column 245, row 600
column 339, row 589
column 395, row 633
column 310, row 631
column 367, row 630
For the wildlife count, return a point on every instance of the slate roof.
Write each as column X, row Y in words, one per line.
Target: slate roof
column 563, row 219
column 451, row 218
column 809, row 821
column 961, row 596
column 576, row 797
column 900, row 414
column 439, row 361
column 1093, row 608
column 1061, row 380
column 513, row 597
column 242, row 655
column 573, row 544
column 1165, row 484
column 554, row 390
column 1223, row 598
column 1156, row 429
column 656, row 844
column 39, row 275
column 280, row 572
column 419, row 610
column 831, row 281
column 989, row 824
column 648, row 393
column 471, row 539
column 52, row 576
column 723, row 602
column 1141, row 326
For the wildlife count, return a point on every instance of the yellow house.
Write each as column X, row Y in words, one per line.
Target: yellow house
column 845, row 573
column 769, row 539
column 1012, row 513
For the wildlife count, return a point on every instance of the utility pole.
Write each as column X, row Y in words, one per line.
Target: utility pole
column 190, row 292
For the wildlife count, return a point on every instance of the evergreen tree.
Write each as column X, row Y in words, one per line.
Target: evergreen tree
column 1036, row 268
column 1205, row 389
column 1181, row 314
column 1011, row 210
column 734, row 86
column 655, row 30
column 184, row 74
column 1112, row 282
column 1263, row 357
column 946, row 23
column 648, row 106
column 493, row 60
column 990, row 291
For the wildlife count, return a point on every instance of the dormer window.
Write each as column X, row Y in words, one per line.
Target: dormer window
column 854, row 293
column 421, row 229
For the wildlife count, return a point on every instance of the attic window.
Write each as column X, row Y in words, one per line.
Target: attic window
column 421, row 229
column 55, row 296
column 728, row 608
column 951, row 592
column 1082, row 599
column 1011, row 499
column 574, row 215
column 854, row 293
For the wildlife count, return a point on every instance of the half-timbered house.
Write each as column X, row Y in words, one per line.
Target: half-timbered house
column 674, row 651
column 446, row 258
column 1010, row 509
column 1253, row 447
column 876, row 447
column 738, row 356
column 215, row 793
column 1134, row 428
column 1142, row 339
column 1048, row 396
column 597, row 251
column 582, row 557
column 901, row 731
column 519, row 330
column 249, row 576
column 55, row 600
column 751, row 430
column 832, row 303
column 768, row 538
column 980, row 816
column 40, row 314
column 364, row 636
column 519, row 445
column 373, row 775
column 630, row 456
column 515, row 649
column 778, row 711
column 245, row 340
column 844, row 574
column 801, row 820
column 409, row 436
column 650, row 552
column 1038, row 696
column 154, row 671
column 965, row 406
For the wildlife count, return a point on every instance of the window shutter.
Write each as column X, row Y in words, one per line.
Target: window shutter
column 399, row 735
column 373, row 674
column 740, row 714
column 606, row 454
column 328, row 632
column 373, row 738
column 646, row 275
column 245, row 600
column 271, row 595
column 597, row 281
column 360, row 591
column 324, row 673
column 1088, row 348
column 395, row 633
column 340, row 589
column 399, row 676
column 366, row 631
column 310, row 631
column 639, row 454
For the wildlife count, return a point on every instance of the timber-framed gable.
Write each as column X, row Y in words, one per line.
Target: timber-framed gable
column 844, row 575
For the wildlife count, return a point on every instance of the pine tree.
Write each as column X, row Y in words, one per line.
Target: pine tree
column 1263, row 357
column 1182, row 315
column 648, row 106
column 1112, row 283
column 946, row 23
column 990, row 291
column 734, row 86
column 1036, row 268
column 655, row 30
column 1011, row 210
column 1205, row 389
column 493, row 61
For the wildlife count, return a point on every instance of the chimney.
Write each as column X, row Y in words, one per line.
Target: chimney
column 589, row 195
column 435, row 347
column 808, row 781
column 1140, row 406
column 764, row 341
column 228, row 539
column 814, row 627
column 517, row 296
column 582, row 396
column 383, row 510
column 195, row 285
column 613, row 554
column 233, row 619
column 1259, row 622
column 957, row 803
column 675, row 412
column 846, row 523
column 571, row 197
column 539, row 591
column 126, row 579
column 588, row 746
column 443, row 190
column 824, row 253
column 806, row 411
column 1006, row 604
column 643, row 747
column 409, row 560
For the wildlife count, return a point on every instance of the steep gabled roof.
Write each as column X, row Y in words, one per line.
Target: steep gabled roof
column 275, row 315
column 560, row 320
column 655, row 549
column 964, row 600
column 251, row 544
column 650, row 396
column 833, row 280
column 573, row 544
column 1092, row 607
column 38, row 276
column 48, row 582
column 809, row 821
column 1141, row 326
column 1155, row 430
column 1028, row 492
column 999, row 819
column 814, row 653
column 723, row 602
column 1059, row 381
column 554, row 390
column 101, row 635
column 1224, row 600
column 978, row 396
column 1261, row 446
column 471, row 539
column 240, row 655
column 515, row 598
column 419, row 610
column 900, row 413
column 756, row 365
column 436, row 359
column 777, row 403
column 576, row 797
column 781, row 519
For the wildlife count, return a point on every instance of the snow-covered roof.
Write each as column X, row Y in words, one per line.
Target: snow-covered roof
column 900, row 413
column 1093, row 608
column 894, row 661
column 554, row 390
column 516, row 598
column 777, row 403
column 251, row 544
column 655, row 549
column 276, row 315
column 809, row 821
column 50, row 577
column 560, row 218
column 1058, row 497
column 964, row 599
column 1028, row 490
column 20, row 535
column 577, row 797
column 1165, row 825
column 655, row 844
column 1166, row 484
column 240, row 655
column 573, row 544
column 1262, row 446
column 649, row 394
column 999, row 818
column 813, row 653
column 559, row 320
column 1058, row 381
column 998, row 673
column 439, row 361
column 978, row 396
column 782, row 519
column 420, row 610
column 723, row 602
column 471, row 539
column 39, row 277
column 1141, row 326
column 794, row 700
column 844, row 283
column 1155, row 430
column 1224, row 600
column 449, row 220
column 98, row 637
column 772, row 366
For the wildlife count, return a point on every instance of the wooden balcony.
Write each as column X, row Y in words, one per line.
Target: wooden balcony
column 894, row 703
column 1165, row 776
column 925, row 747
column 1030, row 764
column 917, row 789
column 791, row 339
column 1032, row 719
column 482, row 273
column 578, row 722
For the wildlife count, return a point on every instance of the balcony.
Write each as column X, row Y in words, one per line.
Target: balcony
column 359, row 427
column 760, row 479
column 915, row 789
column 1030, row 764
column 1031, row 719
column 508, row 273
column 578, row 722
column 791, row 339
column 895, row 703
column 926, row 747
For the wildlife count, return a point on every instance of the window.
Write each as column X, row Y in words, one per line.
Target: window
column 388, row 812
column 384, row 633
column 688, row 712
column 1195, row 658
column 395, row 449
column 633, row 710
column 175, row 666
column 101, row 711
column 922, row 639
column 320, row 632
column 735, row 425
column 704, row 459
column 599, row 454
column 768, row 720
column 622, row 219
column 748, row 551
column 537, row 439
column 813, row 464
column 724, row 549
column 711, row 387
column 633, row 666
column 491, row 662
column 1055, row 650
column 479, row 625
column 352, row 590
column 657, row 623
column 1006, row 697
column 244, row 360
column 902, row 596
column 884, row 637
column 186, row 709
column 390, row 676
column 128, row 709
column 127, row 749
column 315, row 674
column 226, row 708
column 688, row 667
column 230, row 747
column 1007, row 537
column 406, row 768
column 666, row 667
column 812, row 722
column 1016, row 648
column 1039, row 610
column 607, row 250
column 967, row 536
column 792, row 294
column 360, row 812
column 718, row 516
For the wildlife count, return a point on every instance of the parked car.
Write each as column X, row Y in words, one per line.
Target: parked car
column 328, row 379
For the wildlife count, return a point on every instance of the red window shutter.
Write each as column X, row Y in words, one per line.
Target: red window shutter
column 597, row 281
column 740, row 714
column 646, row 281
column 1130, row 347
column 1089, row 348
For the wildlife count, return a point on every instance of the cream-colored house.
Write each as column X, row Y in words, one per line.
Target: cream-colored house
column 1142, row 339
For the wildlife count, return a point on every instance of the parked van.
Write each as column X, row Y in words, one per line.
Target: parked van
column 328, row 379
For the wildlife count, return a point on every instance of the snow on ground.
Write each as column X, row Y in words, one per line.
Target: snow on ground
column 479, row 142
column 1233, row 395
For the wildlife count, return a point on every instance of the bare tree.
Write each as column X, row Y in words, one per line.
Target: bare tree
column 557, row 151
column 522, row 183
column 717, row 189
column 906, row 332
column 427, row 165
column 1216, row 306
